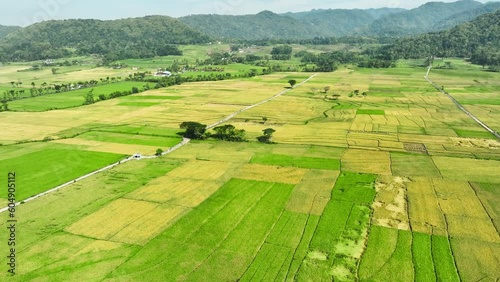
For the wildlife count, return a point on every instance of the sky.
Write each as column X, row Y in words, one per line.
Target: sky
column 26, row 12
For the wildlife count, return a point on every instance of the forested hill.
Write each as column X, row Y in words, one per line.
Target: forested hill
column 466, row 16
column 264, row 25
column 125, row 38
column 478, row 39
column 424, row 18
column 338, row 22
column 5, row 30
column 430, row 17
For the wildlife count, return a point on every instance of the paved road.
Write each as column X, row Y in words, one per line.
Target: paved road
column 484, row 125
column 184, row 142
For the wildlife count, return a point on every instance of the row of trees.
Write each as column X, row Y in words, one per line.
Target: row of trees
column 228, row 132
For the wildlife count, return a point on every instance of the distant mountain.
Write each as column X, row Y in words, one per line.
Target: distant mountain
column 6, row 30
column 264, row 25
column 466, row 16
column 422, row 19
column 385, row 22
column 479, row 39
column 125, row 38
column 340, row 23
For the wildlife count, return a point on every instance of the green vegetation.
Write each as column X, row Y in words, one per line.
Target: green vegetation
column 70, row 99
column 371, row 112
column 194, row 130
column 54, row 165
column 6, row 30
column 53, row 39
column 478, row 40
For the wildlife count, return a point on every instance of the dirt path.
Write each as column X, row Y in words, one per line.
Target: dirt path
column 184, row 142
column 484, row 125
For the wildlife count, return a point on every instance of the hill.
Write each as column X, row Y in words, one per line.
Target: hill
column 264, row 25
column 6, row 30
column 117, row 39
column 422, row 19
column 478, row 39
column 466, row 16
column 384, row 22
column 339, row 23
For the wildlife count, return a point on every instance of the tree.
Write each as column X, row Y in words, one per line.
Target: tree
column 5, row 105
column 54, row 70
column 194, row 130
column 267, row 137
column 327, row 88
column 292, row 82
column 264, row 119
column 89, row 98
column 102, row 97
column 159, row 152
column 135, row 90
column 229, row 133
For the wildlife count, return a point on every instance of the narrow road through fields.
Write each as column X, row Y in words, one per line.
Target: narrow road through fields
column 484, row 125
column 184, row 142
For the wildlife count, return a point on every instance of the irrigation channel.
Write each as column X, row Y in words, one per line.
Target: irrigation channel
column 138, row 157
column 484, row 125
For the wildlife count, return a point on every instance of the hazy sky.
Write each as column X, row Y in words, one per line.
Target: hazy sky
column 26, row 12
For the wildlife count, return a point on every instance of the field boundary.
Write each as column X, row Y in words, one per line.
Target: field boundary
column 484, row 125
column 137, row 157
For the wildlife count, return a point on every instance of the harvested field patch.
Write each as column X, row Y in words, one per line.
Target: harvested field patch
column 389, row 207
column 99, row 225
column 313, row 193
column 367, row 162
column 416, row 147
column 271, row 173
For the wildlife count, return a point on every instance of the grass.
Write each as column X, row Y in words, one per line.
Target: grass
column 74, row 252
column 69, row 99
column 233, row 211
column 388, row 249
column 300, row 162
column 42, row 170
column 422, row 256
column 356, row 188
column 443, row 259
column 370, row 112
column 474, row 134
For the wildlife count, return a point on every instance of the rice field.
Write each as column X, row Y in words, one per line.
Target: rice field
column 397, row 185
